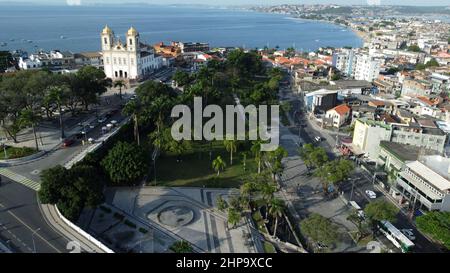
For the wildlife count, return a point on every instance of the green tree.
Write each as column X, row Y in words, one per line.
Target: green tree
column 125, row 164
column 414, row 48
column 379, row 210
column 234, row 217
column 71, row 190
column 437, row 225
column 52, row 181
column 222, row 205
column 90, row 83
column 313, row 157
column 218, row 165
column 29, row 118
column 319, row 229
column 231, row 147
column 181, row 247
column 134, row 108
column 334, row 172
column 275, row 161
column 56, row 94
column 120, row 84
column 181, row 78
column 276, row 210
column 256, row 150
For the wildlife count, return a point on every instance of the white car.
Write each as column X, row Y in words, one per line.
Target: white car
column 318, row 138
column 101, row 120
column 409, row 233
column 371, row 194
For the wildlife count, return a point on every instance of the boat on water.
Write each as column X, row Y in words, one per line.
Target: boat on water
column 3, row 44
column 62, row 37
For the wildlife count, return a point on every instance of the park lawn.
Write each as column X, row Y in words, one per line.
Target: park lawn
column 195, row 168
column 16, row 152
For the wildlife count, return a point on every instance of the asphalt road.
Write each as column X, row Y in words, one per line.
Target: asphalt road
column 20, row 217
column 362, row 181
column 20, row 213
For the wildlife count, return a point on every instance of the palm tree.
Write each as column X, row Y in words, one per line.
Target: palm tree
column 276, row 210
column 120, row 84
column 267, row 191
column 247, row 189
column 133, row 108
column 244, row 160
column 56, row 94
column 29, row 118
column 256, row 150
column 218, row 164
column 230, row 146
column 234, row 217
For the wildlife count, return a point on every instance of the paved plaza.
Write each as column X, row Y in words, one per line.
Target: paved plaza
column 185, row 214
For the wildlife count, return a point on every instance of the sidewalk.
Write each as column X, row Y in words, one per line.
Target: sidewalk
column 51, row 216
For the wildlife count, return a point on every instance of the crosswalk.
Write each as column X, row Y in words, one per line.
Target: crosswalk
column 20, row 179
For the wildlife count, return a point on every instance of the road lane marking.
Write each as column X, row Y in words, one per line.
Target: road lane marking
column 27, row 226
column 20, row 179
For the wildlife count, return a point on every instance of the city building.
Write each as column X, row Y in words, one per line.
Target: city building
column 338, row 115
column 367, row 68
column 89, row 58
column 413, row 87
column 192, row 47
column 321, row 100
column 131, row 60
column 425, row 184
column 369, row 133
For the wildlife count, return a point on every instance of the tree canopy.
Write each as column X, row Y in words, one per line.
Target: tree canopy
column 319, row 229
column 381, row 210
column 125, row 164
column 437, row 225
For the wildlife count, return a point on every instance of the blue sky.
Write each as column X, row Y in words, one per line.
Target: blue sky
column 234, row 2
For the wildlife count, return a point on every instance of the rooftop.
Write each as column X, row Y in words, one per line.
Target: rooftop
column 403, row 152
column 434, row 169
column 341, row 109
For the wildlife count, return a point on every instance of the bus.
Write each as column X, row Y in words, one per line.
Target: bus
column 395, row 236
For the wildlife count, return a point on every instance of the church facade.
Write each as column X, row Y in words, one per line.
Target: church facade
column 129, row 60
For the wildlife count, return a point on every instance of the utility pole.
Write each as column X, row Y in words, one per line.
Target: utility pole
column 353, row 186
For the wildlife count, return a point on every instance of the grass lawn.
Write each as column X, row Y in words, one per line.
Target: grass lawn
column 16, row 152
column 195, row 168
column 269, row 248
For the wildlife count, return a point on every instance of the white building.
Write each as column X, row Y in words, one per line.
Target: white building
column 30, row 63
column 366, row 68
column 338, row 115
column 426, row 184
column 131, row 60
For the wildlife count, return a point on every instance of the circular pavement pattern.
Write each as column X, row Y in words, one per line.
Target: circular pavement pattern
column 176, row 216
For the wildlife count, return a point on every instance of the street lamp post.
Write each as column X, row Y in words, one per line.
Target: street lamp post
column 61, row 122
column 32, row 238
column 4, row 150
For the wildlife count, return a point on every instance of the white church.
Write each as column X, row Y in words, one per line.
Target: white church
column 131, row 60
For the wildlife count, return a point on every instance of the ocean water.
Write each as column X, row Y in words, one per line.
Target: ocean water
column 41, row 27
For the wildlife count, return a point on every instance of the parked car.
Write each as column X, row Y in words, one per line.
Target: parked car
column 371, row 194
column 68, row 142
column 102, row 119
column 408, row 233
column 318, row 138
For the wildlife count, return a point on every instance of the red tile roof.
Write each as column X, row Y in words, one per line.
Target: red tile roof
column 341, row 109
